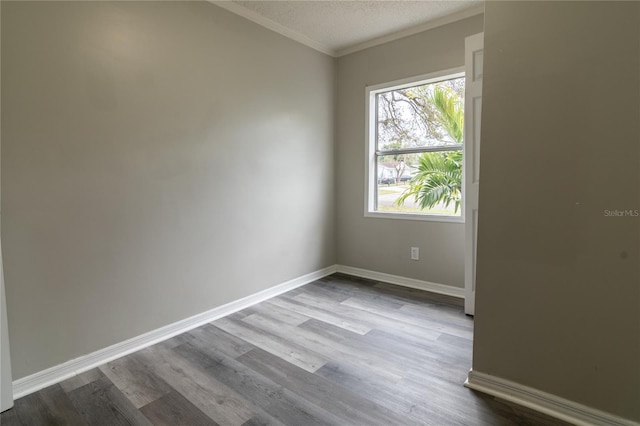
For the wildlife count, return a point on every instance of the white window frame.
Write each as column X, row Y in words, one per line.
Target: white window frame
column 371, row 136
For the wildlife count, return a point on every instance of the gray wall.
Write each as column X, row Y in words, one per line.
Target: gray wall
column 159, row 159
column 383, row 245
column 558, row 291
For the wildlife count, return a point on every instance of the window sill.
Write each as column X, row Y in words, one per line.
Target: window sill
column 412, row 216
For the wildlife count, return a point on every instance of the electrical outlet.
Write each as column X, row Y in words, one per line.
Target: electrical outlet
column 415, row 253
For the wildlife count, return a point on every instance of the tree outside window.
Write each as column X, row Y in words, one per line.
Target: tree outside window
column 417, row 156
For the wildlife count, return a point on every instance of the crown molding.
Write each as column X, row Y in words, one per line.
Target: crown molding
column 273, row 26
column 237, row 9
column 458, row 16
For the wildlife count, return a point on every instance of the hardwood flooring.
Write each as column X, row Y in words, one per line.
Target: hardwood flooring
column 339, row 351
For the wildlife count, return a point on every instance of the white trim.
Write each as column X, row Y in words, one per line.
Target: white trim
column 370, row 140
column 274, row 26
column 35, row 382
column 432, row 77
column 58, row 373
column 544, row 402
column 414, row 216
column 458, row 16
column 370, row 172
column 402, row 281
column 233, row 7
column 471, row 162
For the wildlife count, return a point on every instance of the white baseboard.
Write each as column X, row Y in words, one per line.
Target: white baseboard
column 544, row 402
column 35, row 382
column 541, row 401
column 403, row 281
column 58, row 373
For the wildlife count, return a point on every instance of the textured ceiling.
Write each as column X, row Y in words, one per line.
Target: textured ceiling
column 338, row 25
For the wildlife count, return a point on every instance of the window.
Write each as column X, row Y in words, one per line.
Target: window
column 415, row 148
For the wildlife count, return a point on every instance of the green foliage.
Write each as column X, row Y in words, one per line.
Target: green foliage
column 437, row 180
column 439, row 175
column 451, row 111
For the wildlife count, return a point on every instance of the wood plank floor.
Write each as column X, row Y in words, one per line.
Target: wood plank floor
column 339, row 351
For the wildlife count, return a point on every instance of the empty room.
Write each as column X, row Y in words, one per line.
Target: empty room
column 320, row 213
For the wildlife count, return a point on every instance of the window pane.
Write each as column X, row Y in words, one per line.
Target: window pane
column 430, row 183
column 421, row 116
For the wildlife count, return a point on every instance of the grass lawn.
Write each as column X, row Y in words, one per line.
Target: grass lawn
column 388, row 194
column 385, row 191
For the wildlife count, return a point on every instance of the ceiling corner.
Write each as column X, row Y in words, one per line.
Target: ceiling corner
column 274, row 26
column 458, row 16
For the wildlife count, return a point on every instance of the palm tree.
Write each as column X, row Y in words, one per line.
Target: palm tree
column 439, row 174
column 450, row 111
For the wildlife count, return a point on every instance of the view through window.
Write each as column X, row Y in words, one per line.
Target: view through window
column 417, row 150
